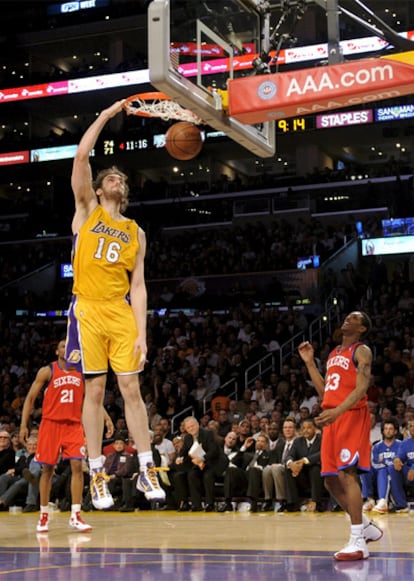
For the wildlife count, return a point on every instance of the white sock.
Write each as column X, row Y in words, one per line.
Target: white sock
column 96, row 463
column 357, row 530
column 145, row 458
column 44, row 509
column 75, row 508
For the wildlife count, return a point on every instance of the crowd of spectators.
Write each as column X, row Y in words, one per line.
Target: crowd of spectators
column 252, row 247
column 172, row 258
column 191, row 356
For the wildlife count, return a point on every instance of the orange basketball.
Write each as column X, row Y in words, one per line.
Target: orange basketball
column 183, row 140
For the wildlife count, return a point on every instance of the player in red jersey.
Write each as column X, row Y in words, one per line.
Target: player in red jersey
column 345, row 420
column 60, row 432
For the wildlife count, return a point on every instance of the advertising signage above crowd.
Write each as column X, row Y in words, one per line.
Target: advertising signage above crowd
column 109, row 147
column 302, row 54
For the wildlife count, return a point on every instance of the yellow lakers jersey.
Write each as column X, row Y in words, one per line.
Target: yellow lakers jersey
column 104, row 252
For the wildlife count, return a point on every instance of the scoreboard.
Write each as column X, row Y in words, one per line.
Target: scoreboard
column 291, row 125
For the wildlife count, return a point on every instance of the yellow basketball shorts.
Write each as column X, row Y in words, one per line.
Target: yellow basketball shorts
column 102, row 333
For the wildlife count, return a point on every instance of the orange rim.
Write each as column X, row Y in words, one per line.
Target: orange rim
column 151, row 96
column 157, row 98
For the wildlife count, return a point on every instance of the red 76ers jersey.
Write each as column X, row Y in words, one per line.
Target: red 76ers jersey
column 341, row 376
column 63, row 396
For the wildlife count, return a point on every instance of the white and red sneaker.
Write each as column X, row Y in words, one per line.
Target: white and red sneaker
column 77, row 523
column 355, row 550
column 368, row 505
column 381, row 506
column 372, row 532
column 43, row 523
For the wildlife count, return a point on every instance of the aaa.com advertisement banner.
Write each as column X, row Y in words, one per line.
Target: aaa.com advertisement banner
column 302, row 92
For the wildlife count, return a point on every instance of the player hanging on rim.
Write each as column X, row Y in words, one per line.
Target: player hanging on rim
column 345, row 420
column 107, row 315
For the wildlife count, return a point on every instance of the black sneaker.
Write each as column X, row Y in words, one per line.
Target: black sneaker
column 184, row 507
column 268, row 506
column 253, row 506
column 226, row 507
column 292, row 508
column 126, row 508
column 196, row 509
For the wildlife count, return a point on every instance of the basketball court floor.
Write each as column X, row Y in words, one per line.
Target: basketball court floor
column 157, row 545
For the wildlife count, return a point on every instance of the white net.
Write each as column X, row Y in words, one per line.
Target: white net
column 165, row 109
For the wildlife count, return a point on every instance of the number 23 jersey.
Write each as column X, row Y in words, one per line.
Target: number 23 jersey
column 341, row 377
column 63, row 396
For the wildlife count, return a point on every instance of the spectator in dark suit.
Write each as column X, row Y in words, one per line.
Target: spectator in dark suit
column 244, row 433
column 202, row 460
column 7, row 454
column 255, row 468
column 274, row 473
column 303, row 469
column 115, row 464
column 235, row 475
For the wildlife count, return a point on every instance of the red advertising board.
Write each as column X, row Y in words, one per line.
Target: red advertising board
column 276, row 96
column 14, row 157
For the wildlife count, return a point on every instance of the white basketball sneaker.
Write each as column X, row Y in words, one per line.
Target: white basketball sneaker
column 381, row 506
column 43, row 524
column 355, row 550
column 368, row 504
column 77, row 523
column 372, row 532
column 147, row 483
column 101, row 497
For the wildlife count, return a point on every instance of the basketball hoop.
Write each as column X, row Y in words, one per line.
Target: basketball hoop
column 156, row 104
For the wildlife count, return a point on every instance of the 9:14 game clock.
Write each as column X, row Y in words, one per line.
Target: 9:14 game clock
column 293, row 125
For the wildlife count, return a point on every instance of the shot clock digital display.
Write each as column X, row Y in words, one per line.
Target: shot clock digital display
column 293, row 125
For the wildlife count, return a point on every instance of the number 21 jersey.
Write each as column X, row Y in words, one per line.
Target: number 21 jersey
column 63, row 396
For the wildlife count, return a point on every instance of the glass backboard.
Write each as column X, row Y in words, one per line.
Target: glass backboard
column 194, row 48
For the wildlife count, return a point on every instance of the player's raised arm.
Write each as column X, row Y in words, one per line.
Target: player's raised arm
column 307, row 354
column 85, row 197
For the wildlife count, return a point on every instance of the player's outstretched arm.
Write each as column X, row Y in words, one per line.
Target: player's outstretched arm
column 42, row 378
column 307, row 354
column 85, row 198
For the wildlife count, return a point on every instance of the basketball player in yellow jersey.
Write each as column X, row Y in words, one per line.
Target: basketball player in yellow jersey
column 107, row 315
